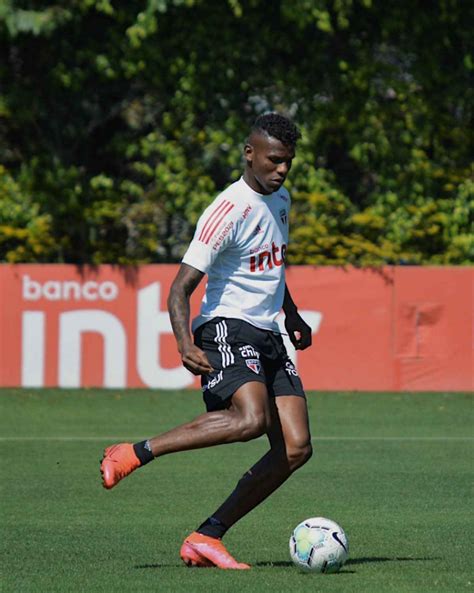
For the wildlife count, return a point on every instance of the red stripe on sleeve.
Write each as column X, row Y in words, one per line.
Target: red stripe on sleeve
column 217, row 222
column 211, row 218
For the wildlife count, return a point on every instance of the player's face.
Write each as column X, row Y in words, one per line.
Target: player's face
column 268, row 163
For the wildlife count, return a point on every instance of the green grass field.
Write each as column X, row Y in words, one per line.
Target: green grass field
column 395, row 470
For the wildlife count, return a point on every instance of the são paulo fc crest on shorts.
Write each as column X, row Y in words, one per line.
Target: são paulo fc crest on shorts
column 254, row 365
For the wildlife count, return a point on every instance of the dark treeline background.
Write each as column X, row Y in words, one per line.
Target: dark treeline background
column 121, row 119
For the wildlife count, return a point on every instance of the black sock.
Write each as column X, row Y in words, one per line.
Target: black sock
column 143, row 452
column 213, row 528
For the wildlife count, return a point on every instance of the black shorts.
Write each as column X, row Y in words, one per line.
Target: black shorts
column 239, row 353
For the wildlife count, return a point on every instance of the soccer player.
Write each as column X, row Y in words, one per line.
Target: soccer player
column 251, row 388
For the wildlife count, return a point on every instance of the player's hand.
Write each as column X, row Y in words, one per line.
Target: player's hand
column 299, row 331
column 195, row 360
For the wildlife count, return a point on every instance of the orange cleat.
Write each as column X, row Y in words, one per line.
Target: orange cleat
column 118, row 461
column 205, row 551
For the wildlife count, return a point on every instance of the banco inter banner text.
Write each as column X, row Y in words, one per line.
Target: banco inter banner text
column 394, row 328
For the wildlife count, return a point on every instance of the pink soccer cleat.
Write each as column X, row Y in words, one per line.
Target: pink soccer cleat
column 202, row 550
column 118, row 462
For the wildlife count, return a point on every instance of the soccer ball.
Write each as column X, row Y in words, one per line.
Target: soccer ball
column 319, row 545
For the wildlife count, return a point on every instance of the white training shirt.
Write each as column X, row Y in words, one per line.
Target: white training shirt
column 240, row 243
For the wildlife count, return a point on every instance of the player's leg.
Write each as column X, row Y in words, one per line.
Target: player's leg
column 290, row 442
column 246, row 418
column 236, row 399
column 200, row 549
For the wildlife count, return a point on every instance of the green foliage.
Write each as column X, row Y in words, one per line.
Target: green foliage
column 123, row 119
column 25, row 232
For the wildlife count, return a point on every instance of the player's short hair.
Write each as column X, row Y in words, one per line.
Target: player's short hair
column 277, row 126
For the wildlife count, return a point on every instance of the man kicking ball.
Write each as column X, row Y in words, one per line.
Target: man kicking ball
column 251, row 388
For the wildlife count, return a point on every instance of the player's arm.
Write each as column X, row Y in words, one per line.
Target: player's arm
column 298, row 330
column 185, row 283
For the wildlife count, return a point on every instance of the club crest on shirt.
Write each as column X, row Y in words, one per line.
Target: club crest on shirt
column 254, row 365
column 283, row 216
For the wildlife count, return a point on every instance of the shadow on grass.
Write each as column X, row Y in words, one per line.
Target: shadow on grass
column 371, row 559
column 287, row 563
column 277, row 564
column 141, row 566
column 350, row 562
column 274, row 563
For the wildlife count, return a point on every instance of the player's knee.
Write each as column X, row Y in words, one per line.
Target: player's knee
column 252, row 426
column 298, row 454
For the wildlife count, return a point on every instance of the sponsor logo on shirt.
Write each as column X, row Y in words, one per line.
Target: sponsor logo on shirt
column 290, row 369
column 223, row 234
column 213, row 382
column 246, row 212
column 267, row 258
column 248, row 351
column 259, row 248
column 283, row 216
column 258, row 229
column 254, row 365
column 283, row 197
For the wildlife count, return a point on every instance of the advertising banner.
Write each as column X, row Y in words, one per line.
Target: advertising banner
column 392, row 329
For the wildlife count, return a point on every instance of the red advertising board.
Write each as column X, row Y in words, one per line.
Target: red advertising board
column 394, row 328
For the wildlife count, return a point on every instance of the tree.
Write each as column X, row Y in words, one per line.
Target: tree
column 122, row 120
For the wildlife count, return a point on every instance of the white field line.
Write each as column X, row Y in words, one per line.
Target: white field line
column 120, row 439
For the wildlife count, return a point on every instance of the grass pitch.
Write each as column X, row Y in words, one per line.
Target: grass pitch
column 394, row 470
